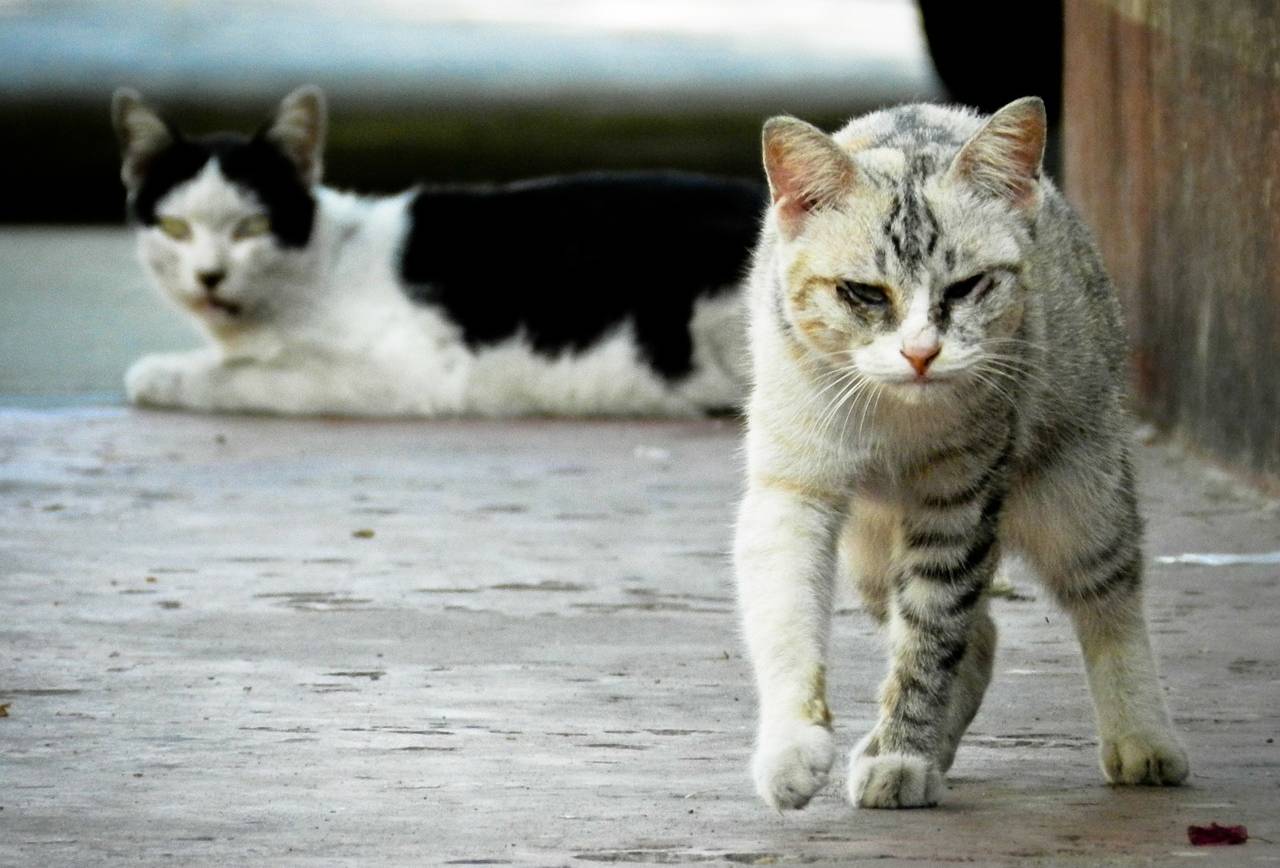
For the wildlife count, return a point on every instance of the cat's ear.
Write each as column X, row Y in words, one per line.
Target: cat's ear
column 1003, row 158
column 142, row 134
column 298, row 130
column 807, row 170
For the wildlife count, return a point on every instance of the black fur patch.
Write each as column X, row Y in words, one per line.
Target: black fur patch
column 953, row 574
column 566, row 260
column 251, row 163
column 951, row 654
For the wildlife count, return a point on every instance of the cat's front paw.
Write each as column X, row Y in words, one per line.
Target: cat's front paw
column 791, row 763
column 162, row 380
column 1151, row 758
column 892, row 780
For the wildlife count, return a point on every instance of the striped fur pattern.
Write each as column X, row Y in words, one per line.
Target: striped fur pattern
column 938, row 381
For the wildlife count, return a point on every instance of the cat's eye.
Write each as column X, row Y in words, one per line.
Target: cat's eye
column 252, row 227
column 175, row 227
column 975, row 285
column 866, row 294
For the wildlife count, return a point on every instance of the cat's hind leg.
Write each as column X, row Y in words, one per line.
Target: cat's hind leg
column 970, row 686
column 868, row 542
column 1081, row 530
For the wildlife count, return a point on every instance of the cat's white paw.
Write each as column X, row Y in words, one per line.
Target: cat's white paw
column 1152, row 758
column 175, row 380
column 892, row 780
column 791, row 763
column 155, row 381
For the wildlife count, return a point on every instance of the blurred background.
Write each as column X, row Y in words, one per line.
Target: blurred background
column 445, row 89
column 442, row 90
column 419, row 91
column 1168, row 142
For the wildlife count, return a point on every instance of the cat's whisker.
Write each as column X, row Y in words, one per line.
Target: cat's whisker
column 848, row 398
column 833, row 380
column 1025, row 363
column 1010, row 340
column 833, row 407
column 869, row 408
column 1015, row 369
column 1000, row 391
column 1022, row 382
column 803, row 409
column 848, row 412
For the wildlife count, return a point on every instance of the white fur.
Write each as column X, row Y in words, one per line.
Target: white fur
column 786, row 619
column 791, row 763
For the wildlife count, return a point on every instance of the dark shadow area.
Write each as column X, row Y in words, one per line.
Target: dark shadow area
column 61, row 163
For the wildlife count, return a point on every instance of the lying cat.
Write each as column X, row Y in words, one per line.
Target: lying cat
column 939, row 379
column 586, row 294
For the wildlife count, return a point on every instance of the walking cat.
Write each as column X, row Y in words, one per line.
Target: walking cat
column 939, row 379
column 587, row 294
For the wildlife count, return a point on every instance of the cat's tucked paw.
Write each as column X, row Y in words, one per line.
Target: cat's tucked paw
column 791, row 763
column 893, row 780
column 1151, row 758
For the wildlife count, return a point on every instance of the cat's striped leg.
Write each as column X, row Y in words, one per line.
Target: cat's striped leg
column 869, row 544
column 1092, row 562
column 940, row 644
column 784, row 560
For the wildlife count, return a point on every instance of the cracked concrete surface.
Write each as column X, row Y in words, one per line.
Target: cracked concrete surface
column 246, row 640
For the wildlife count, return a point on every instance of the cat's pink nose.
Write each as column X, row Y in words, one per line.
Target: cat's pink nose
column 920, row 357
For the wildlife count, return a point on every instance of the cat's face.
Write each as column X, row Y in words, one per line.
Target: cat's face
column 217, row 217
column 898, row 258
column 210, row 246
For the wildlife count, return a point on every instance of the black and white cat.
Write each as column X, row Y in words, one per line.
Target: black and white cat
column 584, row 294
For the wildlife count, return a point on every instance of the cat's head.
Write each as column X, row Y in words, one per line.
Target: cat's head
column 900, row 241
column 216, row 215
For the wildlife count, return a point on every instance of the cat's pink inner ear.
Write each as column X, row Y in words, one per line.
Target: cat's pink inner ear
column 1003, row 158
column 806, row 170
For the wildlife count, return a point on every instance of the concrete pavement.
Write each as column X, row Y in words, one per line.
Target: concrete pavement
column 249, row 641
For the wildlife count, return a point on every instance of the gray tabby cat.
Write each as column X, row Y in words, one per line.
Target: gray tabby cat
column 939, row 380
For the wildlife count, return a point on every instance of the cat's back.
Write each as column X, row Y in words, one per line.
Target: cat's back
column 591, row 226
column 565, row 261
column 1073, row 284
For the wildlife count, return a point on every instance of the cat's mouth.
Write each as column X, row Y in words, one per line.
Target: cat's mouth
column 920, row 381
column 209, row 303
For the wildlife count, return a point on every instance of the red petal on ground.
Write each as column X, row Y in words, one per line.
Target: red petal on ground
column 1213, row 834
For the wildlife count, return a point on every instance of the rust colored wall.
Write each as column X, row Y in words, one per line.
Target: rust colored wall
column 1172, row 142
